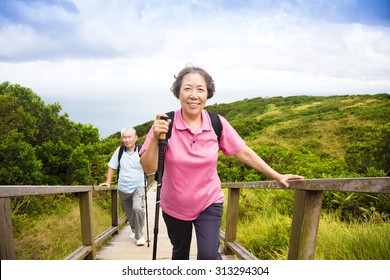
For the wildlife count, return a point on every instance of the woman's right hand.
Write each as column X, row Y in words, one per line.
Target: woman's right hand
column 160, row 125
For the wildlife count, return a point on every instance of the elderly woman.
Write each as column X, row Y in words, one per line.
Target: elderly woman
column 191, row 193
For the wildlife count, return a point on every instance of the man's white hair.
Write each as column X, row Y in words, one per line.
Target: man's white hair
column 128, row 129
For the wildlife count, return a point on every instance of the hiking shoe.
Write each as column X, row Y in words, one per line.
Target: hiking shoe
column 141, row 242
column 131, row 234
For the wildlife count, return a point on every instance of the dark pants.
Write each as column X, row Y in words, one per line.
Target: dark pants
column 207, row 227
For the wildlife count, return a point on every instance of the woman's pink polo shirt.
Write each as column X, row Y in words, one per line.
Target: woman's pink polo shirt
column 190, row 183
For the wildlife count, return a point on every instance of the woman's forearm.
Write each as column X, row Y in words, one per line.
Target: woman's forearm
column 150, row 157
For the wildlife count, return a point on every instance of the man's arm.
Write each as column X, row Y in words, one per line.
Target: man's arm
column 110, row 174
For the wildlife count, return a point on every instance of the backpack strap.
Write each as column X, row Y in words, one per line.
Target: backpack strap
column 217, row 125
column 120, row 153
column 138, row 148
column 215, row 122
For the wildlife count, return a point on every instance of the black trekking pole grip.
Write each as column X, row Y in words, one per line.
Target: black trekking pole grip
column 160, row 162
column 161, row 152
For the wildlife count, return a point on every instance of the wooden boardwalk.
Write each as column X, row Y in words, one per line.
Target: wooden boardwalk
column 122, row 247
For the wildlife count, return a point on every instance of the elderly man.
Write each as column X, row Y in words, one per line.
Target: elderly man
column 130, row 182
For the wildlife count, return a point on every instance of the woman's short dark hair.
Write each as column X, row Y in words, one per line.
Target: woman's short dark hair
column 192, row 69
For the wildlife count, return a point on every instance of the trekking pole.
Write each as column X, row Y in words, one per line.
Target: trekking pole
column 160, row 167
column 146, row 205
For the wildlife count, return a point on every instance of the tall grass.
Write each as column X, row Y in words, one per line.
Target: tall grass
column 55, row 235
column 353, row 241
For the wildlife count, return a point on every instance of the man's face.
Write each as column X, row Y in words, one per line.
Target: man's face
column 129, row 139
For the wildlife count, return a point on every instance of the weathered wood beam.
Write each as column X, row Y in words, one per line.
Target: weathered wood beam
column 304, row 228
column 232, row 217
column 87, row 223
column 7, row 250
column 368, row 185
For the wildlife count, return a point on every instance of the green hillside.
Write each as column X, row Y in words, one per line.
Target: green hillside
column 315, row 136
column 334, row 136
column 325, row 122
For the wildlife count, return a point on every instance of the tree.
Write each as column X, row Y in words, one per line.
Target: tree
column 371, row 149
column 18, row 162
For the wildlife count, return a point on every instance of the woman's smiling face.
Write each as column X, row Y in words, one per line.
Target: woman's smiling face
column 193, row 94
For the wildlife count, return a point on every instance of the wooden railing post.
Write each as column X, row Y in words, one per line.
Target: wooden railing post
column 232, row 217
column 114, row 209
column 86, row 222
column 7, row 250
column 304, row 228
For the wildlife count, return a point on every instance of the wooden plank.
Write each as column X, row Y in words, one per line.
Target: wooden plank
column 80, row 254
column 240, row 251
column 86, row 222
column 7, row 250
column 236, row 250
column 304, row 228
column 10, row 191
column 368, row 185
column 114, row 208
column 371, row 185
column 232, row 217
column 106, row 235
column 104, row 188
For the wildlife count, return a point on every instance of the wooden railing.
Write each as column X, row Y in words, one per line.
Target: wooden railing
column 305, row 221
column 89, row 243
column 306, row 215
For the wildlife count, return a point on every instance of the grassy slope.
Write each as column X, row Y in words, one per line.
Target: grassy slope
column 309, row 119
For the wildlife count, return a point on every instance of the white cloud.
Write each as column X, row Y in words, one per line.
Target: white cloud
column 122, row 50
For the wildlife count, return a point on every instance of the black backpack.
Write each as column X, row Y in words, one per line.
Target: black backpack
column 215, row 121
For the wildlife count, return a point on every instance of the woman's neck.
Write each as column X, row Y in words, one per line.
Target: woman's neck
column 193, row 122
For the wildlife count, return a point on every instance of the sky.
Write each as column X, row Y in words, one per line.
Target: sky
column 111, row 63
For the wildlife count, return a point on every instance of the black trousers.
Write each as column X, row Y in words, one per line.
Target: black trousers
column 207, row 227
